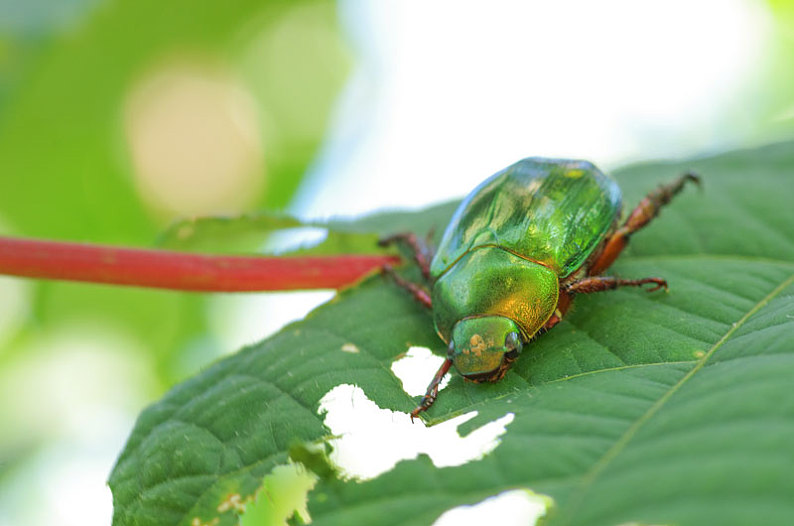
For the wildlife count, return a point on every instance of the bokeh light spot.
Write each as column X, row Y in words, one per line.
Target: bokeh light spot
column 196, row 148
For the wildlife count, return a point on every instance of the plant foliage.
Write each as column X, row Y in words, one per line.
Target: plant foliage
column 669, row 408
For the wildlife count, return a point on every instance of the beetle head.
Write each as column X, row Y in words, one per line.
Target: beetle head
column 482, row 349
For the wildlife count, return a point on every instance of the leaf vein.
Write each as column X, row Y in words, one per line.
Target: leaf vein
column 590, row 477
column 618, row 368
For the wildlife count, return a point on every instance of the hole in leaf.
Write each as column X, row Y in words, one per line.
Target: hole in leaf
column 416, row 368
column 521, row 507
column 282, row 495
column 370, row 440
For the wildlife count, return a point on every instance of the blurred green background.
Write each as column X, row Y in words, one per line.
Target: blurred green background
column 119, row 116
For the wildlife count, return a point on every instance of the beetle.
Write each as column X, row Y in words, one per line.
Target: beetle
column 517, row 250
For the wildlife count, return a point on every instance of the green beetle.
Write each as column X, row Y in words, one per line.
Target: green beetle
column 516, row 252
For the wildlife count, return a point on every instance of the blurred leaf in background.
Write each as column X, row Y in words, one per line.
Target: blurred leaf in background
column 117, row 117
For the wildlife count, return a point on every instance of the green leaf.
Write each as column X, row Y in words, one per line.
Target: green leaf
column 259, row 233
column 653, row 408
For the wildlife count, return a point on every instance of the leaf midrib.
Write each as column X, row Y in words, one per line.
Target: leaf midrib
column 589, row 478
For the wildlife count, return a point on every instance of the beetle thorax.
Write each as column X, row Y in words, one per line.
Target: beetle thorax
column 490, row 281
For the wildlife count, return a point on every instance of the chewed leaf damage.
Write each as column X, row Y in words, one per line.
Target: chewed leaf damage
column 356, row 423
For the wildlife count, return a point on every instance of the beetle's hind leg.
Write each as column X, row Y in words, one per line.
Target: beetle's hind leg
column 591, row 284
column 417, row 291
column 421, row 254
column 420, row 250
column 642, row 215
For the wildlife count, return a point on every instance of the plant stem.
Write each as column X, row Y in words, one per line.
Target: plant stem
column 179, row 270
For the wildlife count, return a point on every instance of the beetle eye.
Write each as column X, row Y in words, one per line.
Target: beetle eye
column 513, row 345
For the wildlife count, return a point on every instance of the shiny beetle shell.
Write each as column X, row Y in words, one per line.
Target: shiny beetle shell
column 514, row 238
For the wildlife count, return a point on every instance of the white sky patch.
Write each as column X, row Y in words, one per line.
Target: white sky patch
column 69, row 483
column 424, row 119
column 15, row 306
column 372, row 440
column 416, row 369
column 71, row 383
column 243, row 319
column 77, row 390
column 511, row 508
column 289, row 239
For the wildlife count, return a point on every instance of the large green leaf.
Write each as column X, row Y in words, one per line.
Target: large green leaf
column 656, row 408
column 267, row 233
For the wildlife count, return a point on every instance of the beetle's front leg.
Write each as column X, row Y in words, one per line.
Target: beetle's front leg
column 419, row 293
column 642, row 215
column 601, row 283
column 432, row 389
column 420, row 251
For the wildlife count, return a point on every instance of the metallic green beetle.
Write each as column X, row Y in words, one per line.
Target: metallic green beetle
column 516, row 251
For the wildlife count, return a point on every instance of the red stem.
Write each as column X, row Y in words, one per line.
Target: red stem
column 179, row 270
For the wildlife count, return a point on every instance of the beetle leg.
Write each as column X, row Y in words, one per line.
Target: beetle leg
column 563, row 304
column 432, row 389
column 600, row 283
column 419, row 294
column 419, row 250
column 642, row 215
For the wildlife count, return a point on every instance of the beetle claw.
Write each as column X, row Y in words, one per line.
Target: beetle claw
column 659, row 284
column 693, row 176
